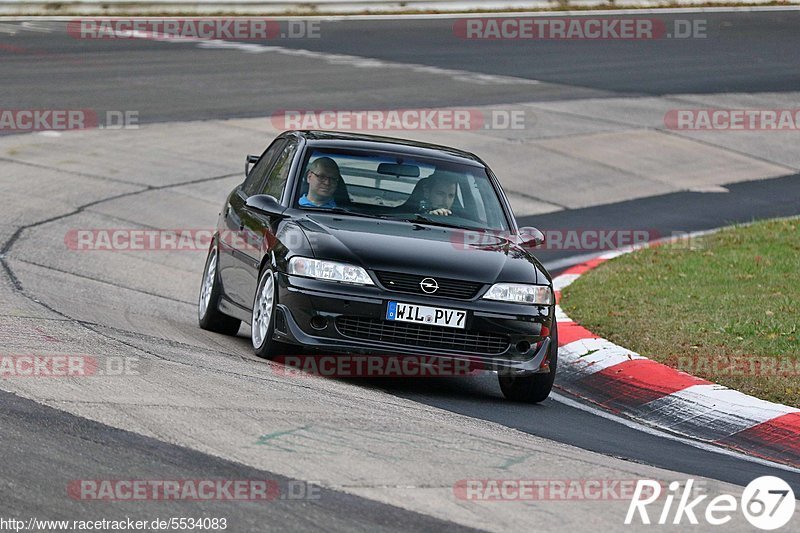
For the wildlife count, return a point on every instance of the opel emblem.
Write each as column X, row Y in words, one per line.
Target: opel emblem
column 429, row 285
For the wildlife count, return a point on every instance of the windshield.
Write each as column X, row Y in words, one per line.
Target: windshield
column 396, row 186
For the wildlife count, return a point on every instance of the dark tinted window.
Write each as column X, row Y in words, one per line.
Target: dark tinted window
column 252, row 184
column 276, row 182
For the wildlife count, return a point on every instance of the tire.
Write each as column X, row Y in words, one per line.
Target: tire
column 262, row 325
column 534, row 388
column 208, row 314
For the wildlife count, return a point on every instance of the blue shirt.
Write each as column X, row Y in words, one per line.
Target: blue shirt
column 305, row 202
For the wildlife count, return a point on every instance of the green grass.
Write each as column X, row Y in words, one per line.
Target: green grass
column 724, row 307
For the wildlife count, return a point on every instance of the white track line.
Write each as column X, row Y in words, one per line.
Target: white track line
column 347, row 60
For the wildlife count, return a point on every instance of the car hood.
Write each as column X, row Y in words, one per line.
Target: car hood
column 378, row 244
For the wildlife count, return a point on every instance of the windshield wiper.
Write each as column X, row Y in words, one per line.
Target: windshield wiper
column 431, row 222
column 342, row 211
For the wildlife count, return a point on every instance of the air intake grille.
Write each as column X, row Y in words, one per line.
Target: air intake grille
column 448, row 288
column 422, row 336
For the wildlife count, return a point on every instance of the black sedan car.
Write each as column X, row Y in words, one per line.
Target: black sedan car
column 354, row 244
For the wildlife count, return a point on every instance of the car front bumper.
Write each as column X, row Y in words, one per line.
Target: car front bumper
column 319, row 315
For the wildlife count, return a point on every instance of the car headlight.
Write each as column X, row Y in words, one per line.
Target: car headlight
column 329, row 270
column 520, row 293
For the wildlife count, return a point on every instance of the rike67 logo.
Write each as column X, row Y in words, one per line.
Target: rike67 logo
column 768, row 503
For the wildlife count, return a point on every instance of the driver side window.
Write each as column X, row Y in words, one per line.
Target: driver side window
column 276, row 182
column 254, row 182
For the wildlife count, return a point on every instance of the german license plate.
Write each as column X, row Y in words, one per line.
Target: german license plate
column 422, row 314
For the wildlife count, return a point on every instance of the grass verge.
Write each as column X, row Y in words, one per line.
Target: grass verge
column 724, row 307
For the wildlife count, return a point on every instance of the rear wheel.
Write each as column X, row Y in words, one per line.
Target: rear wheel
column 536, row 387
column 262, row 325
column 208, row 313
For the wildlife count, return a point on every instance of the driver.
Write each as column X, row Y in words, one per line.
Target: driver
column 323, row 178
column 439, row 193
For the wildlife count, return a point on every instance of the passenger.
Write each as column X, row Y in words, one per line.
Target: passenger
column 323, row 178
column 439, row 193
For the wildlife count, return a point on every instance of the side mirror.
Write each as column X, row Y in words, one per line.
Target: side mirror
column 249, row 160
column 531, row 237
column 266, row 204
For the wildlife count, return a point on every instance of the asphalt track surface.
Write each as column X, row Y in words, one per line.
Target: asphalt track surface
column 169, row 82
column 744, row 52
column 37, row 438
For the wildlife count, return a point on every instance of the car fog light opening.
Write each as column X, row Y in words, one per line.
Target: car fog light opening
column 523, row 346
column 319, row 322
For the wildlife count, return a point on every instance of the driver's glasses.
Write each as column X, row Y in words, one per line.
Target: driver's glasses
column 320, row 177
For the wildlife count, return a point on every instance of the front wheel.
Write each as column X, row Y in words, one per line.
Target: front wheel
column 534, row 388
column 262, row 325
column 208, row 314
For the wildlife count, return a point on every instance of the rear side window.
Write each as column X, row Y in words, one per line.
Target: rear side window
column 276, row 182
column 252, row 185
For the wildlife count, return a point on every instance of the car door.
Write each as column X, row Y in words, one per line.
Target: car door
column 260, row 228
column 236, row 258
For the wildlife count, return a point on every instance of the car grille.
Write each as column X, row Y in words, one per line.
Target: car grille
column 448, row 288
column 422, row 336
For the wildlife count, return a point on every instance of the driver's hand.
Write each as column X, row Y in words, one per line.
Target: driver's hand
column 442, row 212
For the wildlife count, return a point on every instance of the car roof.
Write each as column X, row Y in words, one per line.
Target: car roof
column 358, row 141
